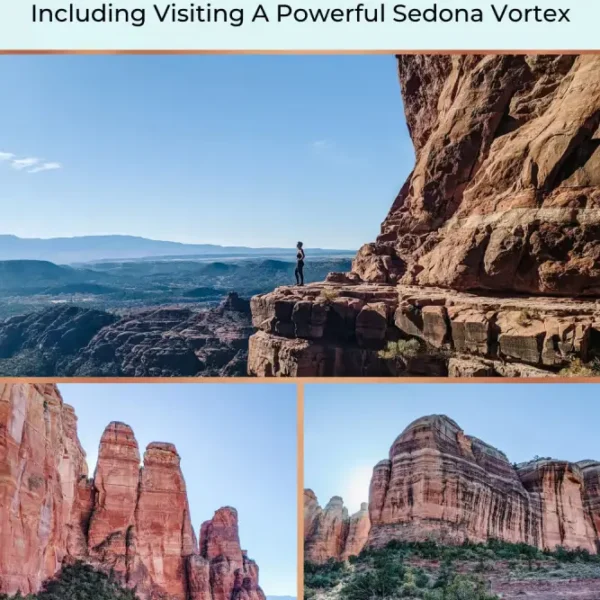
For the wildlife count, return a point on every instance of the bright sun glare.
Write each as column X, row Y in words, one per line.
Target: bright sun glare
column 356, row 490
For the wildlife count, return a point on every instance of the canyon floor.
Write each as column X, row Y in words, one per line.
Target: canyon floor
column 429, row 571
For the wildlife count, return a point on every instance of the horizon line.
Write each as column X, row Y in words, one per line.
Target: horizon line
column 140, row 237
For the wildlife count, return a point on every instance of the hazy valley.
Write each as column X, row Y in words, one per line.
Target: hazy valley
column 144, row 316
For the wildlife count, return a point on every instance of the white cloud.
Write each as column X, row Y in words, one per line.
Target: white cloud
column 24, row 163
column 29, row 164
column 49, row 166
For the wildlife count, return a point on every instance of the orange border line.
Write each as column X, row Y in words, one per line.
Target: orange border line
column 288, row 51
column 300, row 469
column 300, row 380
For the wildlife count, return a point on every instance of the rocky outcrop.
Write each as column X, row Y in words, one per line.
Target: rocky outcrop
column 558, row 491
column 504, row 194
column 590, row 470
column 115, row 486
column 132, row 521
column 358, row 532
column 501, row 210
column 341, row 329
column 42, row 465
column 439, row 483
column 156, row 342
column 330, row 533
column 233, row 575
column 54, row 334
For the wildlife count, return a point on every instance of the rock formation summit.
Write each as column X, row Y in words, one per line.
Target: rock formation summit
column 330, row 532
column 129, row 519
column 490, row 253
column 439, row 483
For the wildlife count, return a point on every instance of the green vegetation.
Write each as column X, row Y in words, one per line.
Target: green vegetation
column 493, row 549
column 324, row 576
column 27, row 286
column 577, row 368
column 79, row 582
column 402, row 349
column 431, row 571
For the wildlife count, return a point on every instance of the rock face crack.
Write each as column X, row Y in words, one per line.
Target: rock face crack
column 130, row 520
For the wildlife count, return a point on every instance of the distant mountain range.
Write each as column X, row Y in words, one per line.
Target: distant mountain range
column 91, row 248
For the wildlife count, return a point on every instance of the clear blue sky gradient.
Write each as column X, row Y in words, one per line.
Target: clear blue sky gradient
column 349, row 428
column 237, row 444
column 234, row 150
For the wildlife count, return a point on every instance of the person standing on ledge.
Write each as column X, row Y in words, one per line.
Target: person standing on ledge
column 299, row 272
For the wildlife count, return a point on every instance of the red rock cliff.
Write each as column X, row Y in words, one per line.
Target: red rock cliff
column 500, row 212
column 42, row 464
column 330, row 532
column 440, row 483
column 134, row 521
column 505, row 191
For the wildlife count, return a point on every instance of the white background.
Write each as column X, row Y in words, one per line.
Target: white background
column 18, row 32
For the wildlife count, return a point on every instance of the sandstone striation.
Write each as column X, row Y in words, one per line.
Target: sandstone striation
column 132, row 521
column 330, row 533
column 504, row 194
column 439, row 483
column 590, row 470
column 115, row 487
column 42, row 463
column 233, row 575
column 501, row 211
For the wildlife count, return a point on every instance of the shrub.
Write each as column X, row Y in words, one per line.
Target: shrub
column 329, row 294
column 461, row 587
column 79, row 582
column 577, row 368
column 383, row 582
column 402, row 349
column 323, row 576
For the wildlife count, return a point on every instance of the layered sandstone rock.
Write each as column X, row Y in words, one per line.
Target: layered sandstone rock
column 591, row 478
column 163, row 534
column 557, row 488
column 340, row 329
column 233, row 575
column 41, row 463
column 311, row 511
column 505, row 192
column 501, row 210
column 358, row 532
column 439, row 483
column 330, row 533
column 115, row 485
column 129, row 520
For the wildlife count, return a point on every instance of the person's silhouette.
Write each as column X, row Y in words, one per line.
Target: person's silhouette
column 299, row 272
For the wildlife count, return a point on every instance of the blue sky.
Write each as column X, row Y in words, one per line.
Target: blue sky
column 248, row 150
column 349, row 428
column 237, row 444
